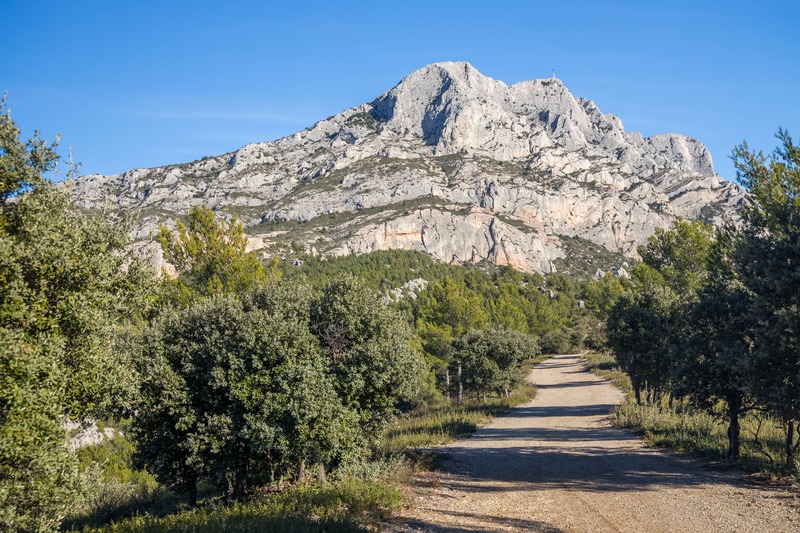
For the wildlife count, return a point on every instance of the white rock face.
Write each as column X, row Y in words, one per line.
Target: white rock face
column 449, row 162
column 88, row 434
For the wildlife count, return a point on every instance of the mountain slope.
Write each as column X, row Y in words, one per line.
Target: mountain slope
column 449, row 162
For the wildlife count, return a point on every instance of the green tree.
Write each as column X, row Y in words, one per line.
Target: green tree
column 492, row 359
column 647, row 325
column 68, row 286
column 714, row 361
column 639, row 329
column 237, row 394
column 767, row 262
column 446, row 310
column 679, row 255
column 372, row 360
column 601, row 294
column 210, row 255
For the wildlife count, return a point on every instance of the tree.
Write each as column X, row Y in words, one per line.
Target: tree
column 235, row 393
column 646, row 326
column 68, row 286
column 767, row 262
column 715, row 358
column 242, row 389
column 601, row 294
column 492, row 359
column 210, row 255
column 373, row 364
column 638, row 329
column 446, row 310
column 679, row 255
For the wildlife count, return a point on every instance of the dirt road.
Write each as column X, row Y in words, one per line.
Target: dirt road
column 556, row 464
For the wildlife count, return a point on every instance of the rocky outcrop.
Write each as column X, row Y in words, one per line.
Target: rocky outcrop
column 449, row 162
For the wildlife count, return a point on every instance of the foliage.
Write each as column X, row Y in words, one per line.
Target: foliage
column 492, row 359
column 114, row 488
column 767, row 260
column 242, row 391
column 638, row 331
column 234, row 395
column 23, row 166
column 68, row 287
column 714, row 361
column 684, row 428
column 114, row 457
column 210, row 255
column 717, row 313
column 649, row 321
column 380, row 270
column 372, row 362
column 679, row 255
column 601, row 294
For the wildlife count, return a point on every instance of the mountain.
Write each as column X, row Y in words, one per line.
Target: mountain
column 449, row 162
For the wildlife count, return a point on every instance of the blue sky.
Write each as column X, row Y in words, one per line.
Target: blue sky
column 142, row 84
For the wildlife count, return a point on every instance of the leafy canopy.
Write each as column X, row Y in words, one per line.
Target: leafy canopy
column 210, row 255
column 68, row 288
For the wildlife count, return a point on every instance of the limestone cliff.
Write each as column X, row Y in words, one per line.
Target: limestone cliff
column 450, row 162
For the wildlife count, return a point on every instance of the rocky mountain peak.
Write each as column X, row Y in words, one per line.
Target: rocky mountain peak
column 450, row 162
column 455, row 108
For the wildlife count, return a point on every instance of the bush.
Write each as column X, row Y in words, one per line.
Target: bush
column 560, row 341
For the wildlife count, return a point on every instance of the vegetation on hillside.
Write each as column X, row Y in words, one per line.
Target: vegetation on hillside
column 710, row 317
column 234, row 377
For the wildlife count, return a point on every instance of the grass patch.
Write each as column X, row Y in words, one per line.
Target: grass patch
column 605, row 366
column 685, row 428
column 346, row 505
column 433, row 425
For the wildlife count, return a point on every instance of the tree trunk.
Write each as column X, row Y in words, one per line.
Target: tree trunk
column 790, row 445
column 460, row 386
column 280, row 483
column 301, row 470
column 322, row 478
column 637, row 391
column 191, row 489
column 734, row 408
column 447, row 384
column 239, row 482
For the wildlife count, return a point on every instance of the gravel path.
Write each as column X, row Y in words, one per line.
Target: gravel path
column 556, row 464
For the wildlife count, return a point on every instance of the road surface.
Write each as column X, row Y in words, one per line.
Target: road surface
column 556, row 464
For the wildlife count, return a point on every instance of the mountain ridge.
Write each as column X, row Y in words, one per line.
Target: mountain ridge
column 450, row 162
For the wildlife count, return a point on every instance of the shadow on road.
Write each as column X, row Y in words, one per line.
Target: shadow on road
column 493, row 523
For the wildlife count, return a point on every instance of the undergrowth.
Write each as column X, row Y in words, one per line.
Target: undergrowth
column 346, row 505
column 436, row 424
column 684, row 428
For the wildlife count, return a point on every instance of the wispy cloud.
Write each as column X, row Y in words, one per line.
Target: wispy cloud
column 180, row 108
column 221, row 114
